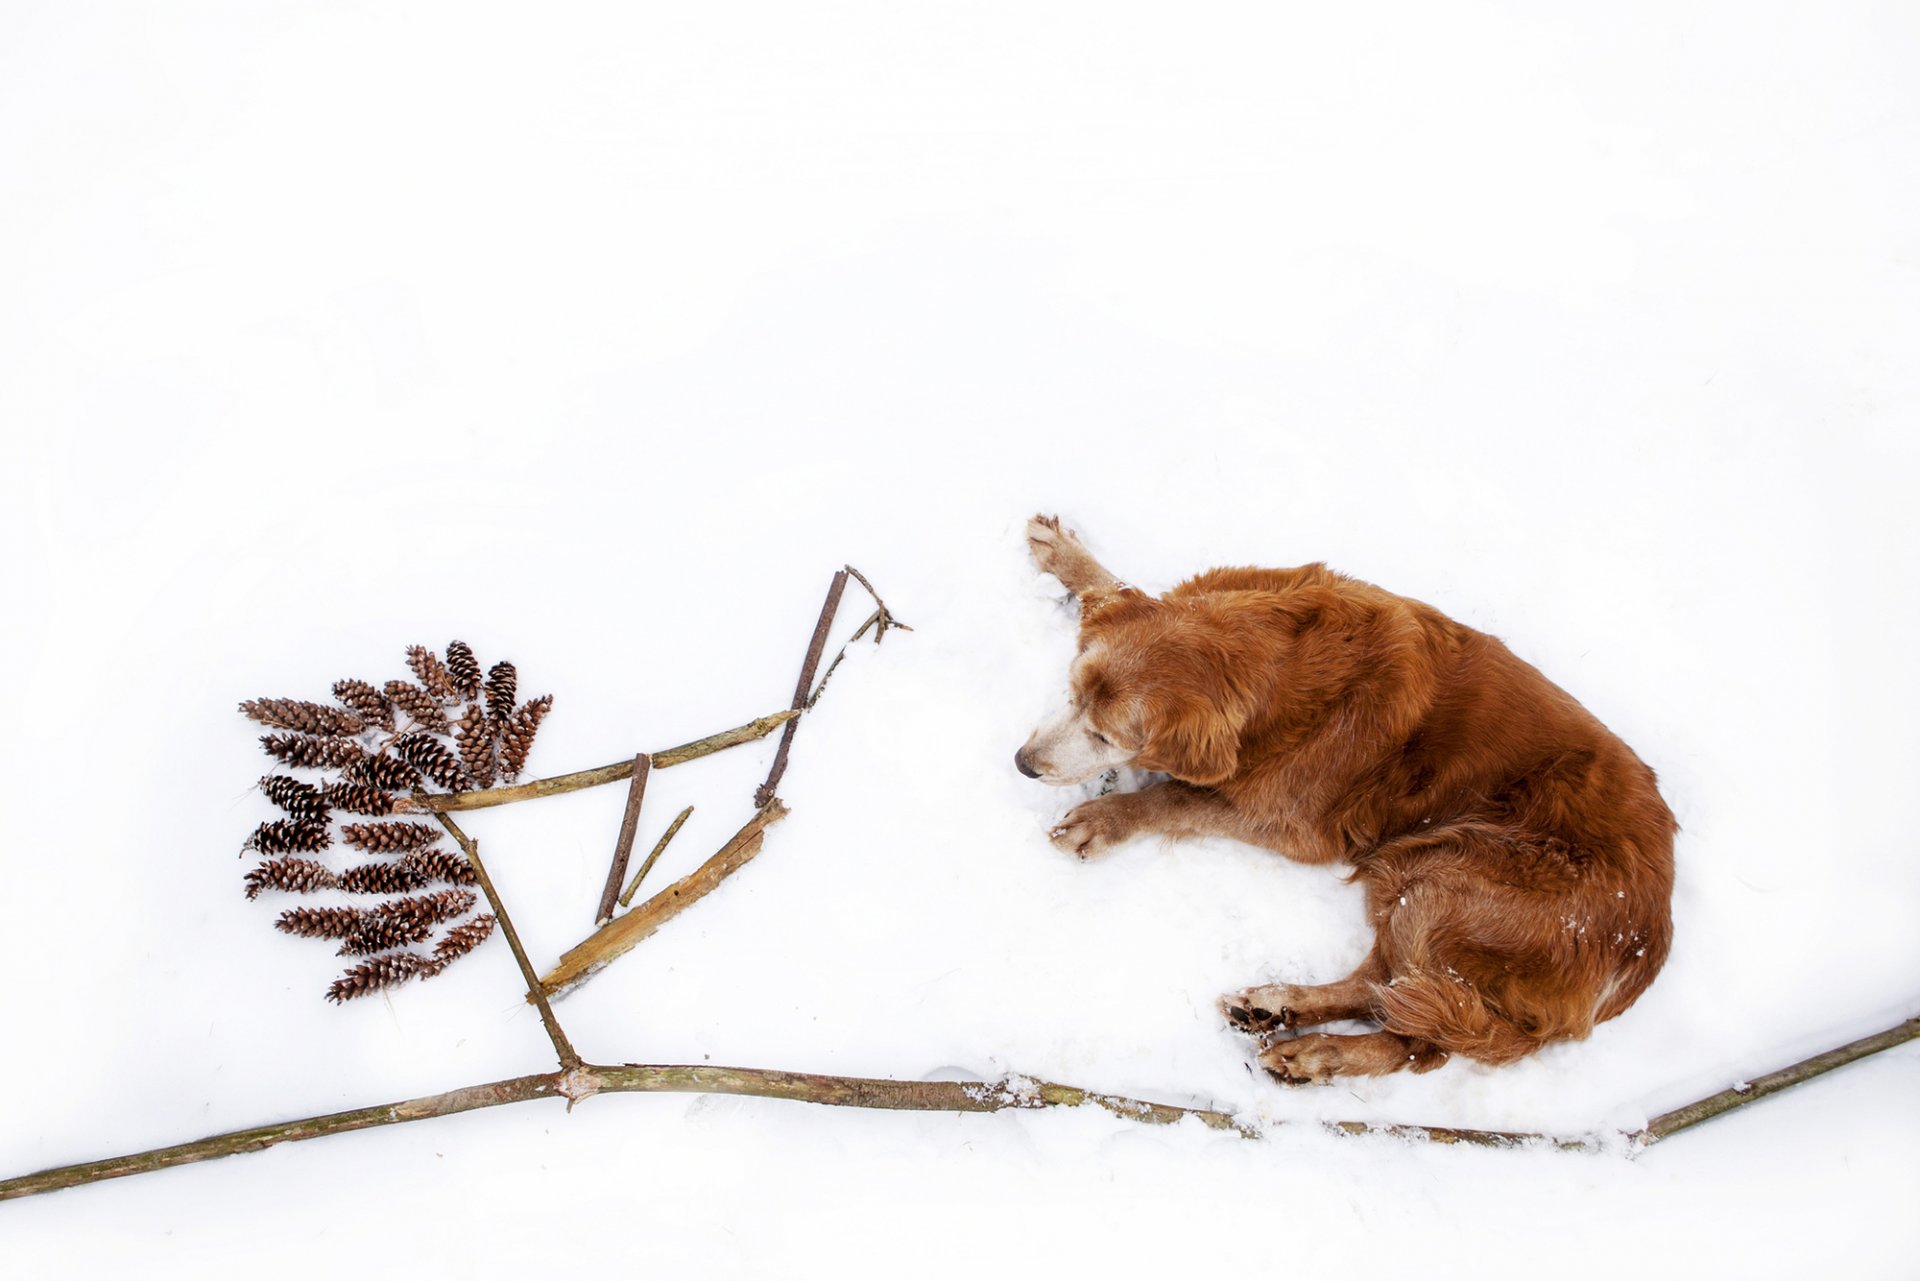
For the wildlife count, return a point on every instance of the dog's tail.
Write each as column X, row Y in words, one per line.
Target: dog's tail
column 1453, row 1015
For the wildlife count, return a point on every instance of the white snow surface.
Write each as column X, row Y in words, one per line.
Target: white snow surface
column 599, row 336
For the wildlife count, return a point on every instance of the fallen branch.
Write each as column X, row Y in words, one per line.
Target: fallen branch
column 561, row 1045
column 808, row 666
column 600, row 775
column 1012, row 1092
column 623, row 846
column 623, row 933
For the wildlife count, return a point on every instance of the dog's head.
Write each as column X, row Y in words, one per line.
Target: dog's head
column 1152, row 687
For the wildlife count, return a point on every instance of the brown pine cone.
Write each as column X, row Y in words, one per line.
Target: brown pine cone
column 379, row 972
column 302, row 800
column 388, row 838
column 433, row 673
column 387, row 772
column 320, row 922
column 434, row 759
column 458, row 941
column 516, row 736
column 304, row 751
column 441, row 865
column 464, row 668
column 293, row 875
column 475, row 735
column 419, row 705
column 381, row 878
column 297, row 714
column 404, row 921
column 502, row 683
column 363, row 698
column 285, row 835
column 358, row 798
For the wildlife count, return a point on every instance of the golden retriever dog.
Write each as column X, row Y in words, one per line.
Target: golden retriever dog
column 1516, row 856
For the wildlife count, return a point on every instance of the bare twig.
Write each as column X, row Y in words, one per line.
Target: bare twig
column 620, row 935
column 623, row 847
column 602, row 774
column 586, row 1080
column 561, row 1045
column 659, row 848
column 807, row 668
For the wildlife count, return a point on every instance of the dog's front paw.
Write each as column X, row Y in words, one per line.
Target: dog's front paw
column 1259, row 1010
column 1313, row 1059
column 1049, row 544
column 1096, row 826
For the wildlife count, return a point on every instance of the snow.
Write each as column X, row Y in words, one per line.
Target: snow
column 600, row 339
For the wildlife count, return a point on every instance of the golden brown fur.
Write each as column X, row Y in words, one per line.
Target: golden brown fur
column 1516, row 856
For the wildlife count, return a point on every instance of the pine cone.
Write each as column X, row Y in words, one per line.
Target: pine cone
column 304, row 751
column 358, row 798
column 516, row 736
column 441, row 865
column 285, row 835
column 372, row 975
column 293, row 875
column 381, row 878
column 419, row 705
column 502, row 683
column 434, row 759
column 464, row 668
column 458, row 941
column 302, row 800
column 475, row 736
column 386, row 772
column 363, row 698
column 296, row 714
column 432, row 672
column 388, row 838
column 320, row 922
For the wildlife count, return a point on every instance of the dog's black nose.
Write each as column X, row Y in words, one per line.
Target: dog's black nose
column 1020, row 763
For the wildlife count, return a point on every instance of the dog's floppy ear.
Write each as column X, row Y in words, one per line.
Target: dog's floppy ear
column 1192, row 739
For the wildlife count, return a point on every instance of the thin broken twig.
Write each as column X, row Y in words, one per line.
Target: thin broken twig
column 659, row 848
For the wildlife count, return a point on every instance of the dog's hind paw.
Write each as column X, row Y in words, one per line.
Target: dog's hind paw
column 1313, row 1059
column 1258, row 1010
column 1044, row 540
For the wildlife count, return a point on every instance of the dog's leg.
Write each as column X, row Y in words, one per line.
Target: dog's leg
column 1317, row 1058
column 1165, row 809
column 1273, row 1007
column 1060, row 552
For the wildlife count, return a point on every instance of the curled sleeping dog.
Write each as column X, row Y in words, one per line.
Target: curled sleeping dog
column 1516, row 856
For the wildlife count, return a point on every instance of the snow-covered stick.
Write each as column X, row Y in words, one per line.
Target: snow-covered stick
column 1013, row 1092
column 569, row 1059
column 600, row 775
column 621, row 935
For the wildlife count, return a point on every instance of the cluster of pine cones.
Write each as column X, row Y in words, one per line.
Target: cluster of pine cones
column 374, row 743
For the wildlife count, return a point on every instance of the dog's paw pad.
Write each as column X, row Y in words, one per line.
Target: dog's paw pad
column 1257, row 1010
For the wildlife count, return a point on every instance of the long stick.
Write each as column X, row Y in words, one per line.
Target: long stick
column 815, row 647
column 843, row 1091
column 561, row 1045
column 440, row 802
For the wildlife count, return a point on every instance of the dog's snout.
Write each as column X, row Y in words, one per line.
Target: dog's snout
column 1020, row 763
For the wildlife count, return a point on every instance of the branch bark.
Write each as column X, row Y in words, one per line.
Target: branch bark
column 621, row 935
column 601, row 774
column 1012, row 1092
